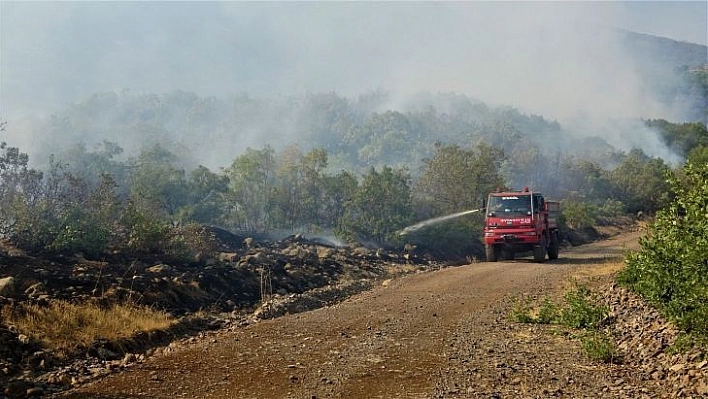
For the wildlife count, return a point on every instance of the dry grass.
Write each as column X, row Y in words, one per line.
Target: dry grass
column 610, row 267
column 64, row 327
column 401, row 269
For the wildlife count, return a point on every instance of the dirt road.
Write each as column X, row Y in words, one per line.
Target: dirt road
column 437, row 334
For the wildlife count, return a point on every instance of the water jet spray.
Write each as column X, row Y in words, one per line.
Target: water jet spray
column 433, row 221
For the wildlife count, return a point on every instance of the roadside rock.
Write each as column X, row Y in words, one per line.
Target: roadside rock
column 313, row 299
column 645, row 339
column 7, row 286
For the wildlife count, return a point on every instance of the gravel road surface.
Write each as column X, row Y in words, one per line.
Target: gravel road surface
column 441, row 334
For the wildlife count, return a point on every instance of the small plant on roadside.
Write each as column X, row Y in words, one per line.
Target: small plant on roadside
column 524, row 312
column 521, row 311
column 548, row 312
column 266, row 279
column 687, row 341
column 581, row 311
column 190, row 241
column 599, row 347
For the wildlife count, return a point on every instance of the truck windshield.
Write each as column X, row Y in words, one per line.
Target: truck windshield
column 513, row 205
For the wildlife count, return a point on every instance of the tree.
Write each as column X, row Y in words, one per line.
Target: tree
column 455, row 179
column 381, row 206
column 90, row 166
column 584, row 180
column 338, row 192
column 298, row 194
column 313, row 195
column 206, row 191
column 699, row 155
column 21, row 193
column 157, row 185
column 87, row 223
column 640, row 182
column 325, row 116
column 251, row 190
column 683, row 137
column 288, row 194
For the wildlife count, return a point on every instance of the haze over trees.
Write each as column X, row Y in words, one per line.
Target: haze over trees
column 371, row 176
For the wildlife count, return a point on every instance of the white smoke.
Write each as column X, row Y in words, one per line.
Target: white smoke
column 560, row 60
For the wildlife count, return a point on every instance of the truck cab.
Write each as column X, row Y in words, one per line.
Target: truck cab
column 520, row 221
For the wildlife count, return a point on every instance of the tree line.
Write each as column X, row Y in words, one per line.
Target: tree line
column 359, row 173
column 96, row 200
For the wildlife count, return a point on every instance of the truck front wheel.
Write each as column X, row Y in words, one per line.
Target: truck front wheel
column 492, row 253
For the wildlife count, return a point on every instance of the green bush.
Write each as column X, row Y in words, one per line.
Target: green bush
column 191, row 241
column 145, row 233
column 671, row 268
column 581, row 310
column 578, row 215
column 81, row 232
column 612, row 208
column 599, row 347
column 548, row 312
column 521, row 311
column 34, row 224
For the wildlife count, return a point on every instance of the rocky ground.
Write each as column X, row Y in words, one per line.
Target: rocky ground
column 416, row 336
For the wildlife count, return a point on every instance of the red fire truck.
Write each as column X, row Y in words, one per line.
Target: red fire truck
column 521, row 221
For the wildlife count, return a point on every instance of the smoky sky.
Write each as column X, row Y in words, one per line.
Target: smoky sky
column 556, row 59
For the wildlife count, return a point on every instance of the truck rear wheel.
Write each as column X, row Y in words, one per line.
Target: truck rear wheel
column 539, row 251
column 553, row 248
column 492, row 253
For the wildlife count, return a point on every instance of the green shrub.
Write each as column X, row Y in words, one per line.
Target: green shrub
column 612, row 208
column 145, row 233
column 578, row 215
column 34, row 224
column 578, row 311
column 581, row 311
column 190, row 241
column 671, row 268
column 521, row 311
column 81, row 232
column 548, row 312
column 599, row 347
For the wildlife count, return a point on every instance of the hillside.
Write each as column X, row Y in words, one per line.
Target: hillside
column 675, row 72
